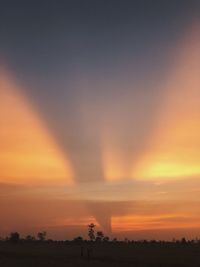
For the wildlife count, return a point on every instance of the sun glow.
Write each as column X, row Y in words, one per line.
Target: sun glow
column 175, row 147
column 28, row 154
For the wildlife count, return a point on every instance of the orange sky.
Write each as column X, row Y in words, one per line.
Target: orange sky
column 159, row 191
column 28, row 152
column 173, row 149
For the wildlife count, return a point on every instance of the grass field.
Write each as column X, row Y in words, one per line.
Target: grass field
column 104, row 254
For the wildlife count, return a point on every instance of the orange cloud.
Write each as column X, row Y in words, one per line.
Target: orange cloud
column 28, row 153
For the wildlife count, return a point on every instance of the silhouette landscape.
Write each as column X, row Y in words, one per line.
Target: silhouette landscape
column 100, row 133
column 97, row 250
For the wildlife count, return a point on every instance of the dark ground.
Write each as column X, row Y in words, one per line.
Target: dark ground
column 104, row 254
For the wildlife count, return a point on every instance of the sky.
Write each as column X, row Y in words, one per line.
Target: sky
column 100, row 118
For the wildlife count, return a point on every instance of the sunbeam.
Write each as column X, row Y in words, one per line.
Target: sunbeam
column 28, row 153
column 174, row 151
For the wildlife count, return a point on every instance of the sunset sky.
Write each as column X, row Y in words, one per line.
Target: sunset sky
column 100, row 117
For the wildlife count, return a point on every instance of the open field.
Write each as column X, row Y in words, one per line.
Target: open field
column 104, row 254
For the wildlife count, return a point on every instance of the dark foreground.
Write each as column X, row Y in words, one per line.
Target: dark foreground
column 104, row 254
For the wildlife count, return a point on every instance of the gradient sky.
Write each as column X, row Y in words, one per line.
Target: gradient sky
column 100, row 117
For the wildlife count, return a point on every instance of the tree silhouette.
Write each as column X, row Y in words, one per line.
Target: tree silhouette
column 91, row 232
column 41, row 235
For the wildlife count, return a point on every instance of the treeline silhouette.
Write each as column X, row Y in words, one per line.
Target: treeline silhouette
column 94, row 238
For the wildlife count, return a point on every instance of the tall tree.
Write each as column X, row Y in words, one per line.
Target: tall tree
column 91, row 232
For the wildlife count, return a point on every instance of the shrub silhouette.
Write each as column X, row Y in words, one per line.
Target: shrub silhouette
column 106, row 239
column 42, row 236
column 29, row 238
column 14, row 237
column 99, row 236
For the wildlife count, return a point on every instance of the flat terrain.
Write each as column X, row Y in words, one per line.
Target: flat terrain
column 104, row 254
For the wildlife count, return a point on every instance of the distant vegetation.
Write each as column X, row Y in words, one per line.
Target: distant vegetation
column 15, row 237
column 96, row 250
